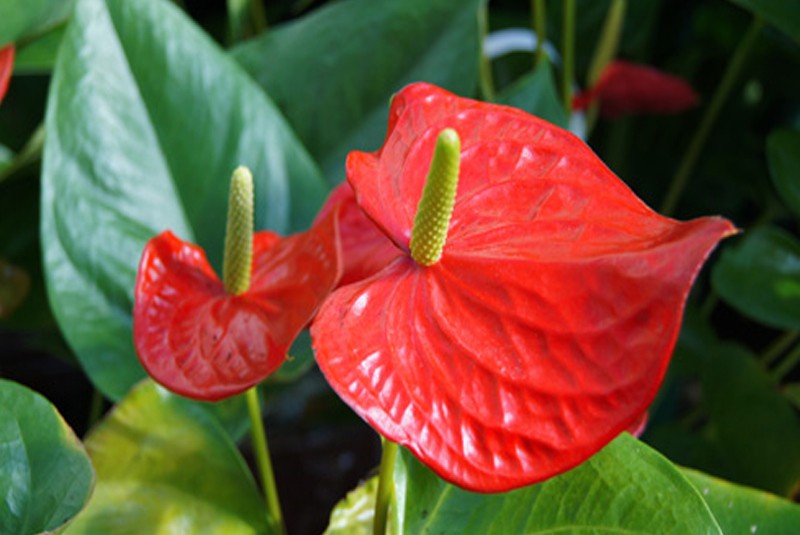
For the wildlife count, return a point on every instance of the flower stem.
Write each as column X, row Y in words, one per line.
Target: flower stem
column 261, row 451
column 568, row 51
column 539, row 24
column 787, row 364
column 776, row 348
column 385, row 490
column 608, row 42
column 700, row 137
column 485, row 66
column 30, row 154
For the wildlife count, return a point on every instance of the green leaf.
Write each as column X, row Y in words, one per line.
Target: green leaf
column 39, row 55
column 334, row 71
column 755, row 428
column 354, row 514
column 625, row 488
column 166, row 466
column 782, row 14
column 743, row 510
column 148, row 142
column 760, row 277
column 31, row 16
column 45, row 474
column 301, row 359
column 783, row 156
column 536, row 93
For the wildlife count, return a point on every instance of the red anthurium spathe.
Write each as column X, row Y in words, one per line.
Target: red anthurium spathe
column 545, row 328
column 365, row 249
column 6, row 67
column 201, row 341
column 626, row 87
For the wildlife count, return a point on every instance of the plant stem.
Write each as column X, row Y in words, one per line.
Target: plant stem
column 95, row 409
column 568, row 51
column 700, row 137
column 608, row 42
column 261, row 451
column 385, row 487
column 30, row 153
column 539, row 24
column 776, row 348
column 485, row 66
column 787, row 364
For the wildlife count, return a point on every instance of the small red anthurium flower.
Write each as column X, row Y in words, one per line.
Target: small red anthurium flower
column 209, row 339
column 6, row 68
column 629, row 88
column 533, row 312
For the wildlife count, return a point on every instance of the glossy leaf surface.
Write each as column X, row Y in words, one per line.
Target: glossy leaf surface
column 512, row 359
column 165, row 466
column 780, row 13
column 744, row 510
column 626, row 88
column 355, row 513
column 365, row 249
column 364, row 51
column 783, row 156
column 46, row 476
column 23, row 18
column 148, row 143
column 198, row 340
column 625, row 488
column 760, row 277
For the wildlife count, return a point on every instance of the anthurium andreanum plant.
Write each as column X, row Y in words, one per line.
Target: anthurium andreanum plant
column 419, row 234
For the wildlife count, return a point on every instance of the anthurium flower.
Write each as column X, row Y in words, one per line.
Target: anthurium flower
column 543, row 328
column 365, row 248
column 209, row 339
column 625, row 88
column 6, row 67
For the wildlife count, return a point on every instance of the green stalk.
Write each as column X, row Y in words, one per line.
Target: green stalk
column 30, row 154
column 776, row 348
column 484, row 65
column 261, row 451
column 608, row 42
column 700, row 137
column 568, row 51
column 539, row 24
column 95, row 409
column 787, row 364
column 383, row 495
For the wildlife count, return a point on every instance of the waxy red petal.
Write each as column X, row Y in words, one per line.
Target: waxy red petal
column 197, row 340
column 545, row 329
column 626, row 87
column 365, row 249
column 6, row 68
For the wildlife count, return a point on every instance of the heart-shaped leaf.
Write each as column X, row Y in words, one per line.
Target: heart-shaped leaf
column 45, row 474
column 743, row 510
column 783, row 155
column 164, row 465
column 364, row 51
column 760, row 277
column 148, row 143
column 625, row 488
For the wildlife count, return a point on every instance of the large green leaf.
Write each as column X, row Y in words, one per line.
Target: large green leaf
column 755, row 427
column 333, row 72
column 355, row 513
column 743, row 510
column 760, row 277
column 625, row 488
column 45, row 474
column 536, row 93
column 783, row 14
column 783, row 155
column 21, row 18
column 165, row 466
column 146, row 120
